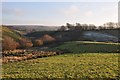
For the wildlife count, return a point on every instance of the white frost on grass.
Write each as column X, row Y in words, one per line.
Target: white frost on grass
column 99, row 36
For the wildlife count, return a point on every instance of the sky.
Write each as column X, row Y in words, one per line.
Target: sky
column 59, row 13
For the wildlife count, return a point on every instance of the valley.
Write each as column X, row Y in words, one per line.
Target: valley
column 86, row 54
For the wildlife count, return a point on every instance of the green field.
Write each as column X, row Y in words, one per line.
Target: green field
column 89, row 65
column 88, row 47
column 86, row 60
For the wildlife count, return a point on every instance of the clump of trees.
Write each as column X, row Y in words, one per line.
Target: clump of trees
column 78, row 26
column 110, row 25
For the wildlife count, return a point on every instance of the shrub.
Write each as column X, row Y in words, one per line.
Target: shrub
column 47, row 39
column 25, row 43
column 38, row 42
column 8, row 43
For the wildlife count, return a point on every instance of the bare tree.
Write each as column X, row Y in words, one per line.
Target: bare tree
column 78, row 26
column 63, row 28
column 91, row 27
column 84, row 26
column 70, row 26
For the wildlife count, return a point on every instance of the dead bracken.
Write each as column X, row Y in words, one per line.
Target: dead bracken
column 19, row 55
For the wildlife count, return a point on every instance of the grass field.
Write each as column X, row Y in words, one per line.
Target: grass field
column 86, row 60
column 89, row 65
column 88, row 47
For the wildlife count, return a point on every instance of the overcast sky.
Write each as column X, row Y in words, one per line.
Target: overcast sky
column 59, row 13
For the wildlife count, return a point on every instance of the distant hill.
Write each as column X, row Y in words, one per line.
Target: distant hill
column 33, row 28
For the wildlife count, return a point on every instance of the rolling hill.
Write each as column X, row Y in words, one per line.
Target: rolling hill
column 87, row 47
column 86, row 35
column 33, row 28
column 12, row 40
column 11, row 33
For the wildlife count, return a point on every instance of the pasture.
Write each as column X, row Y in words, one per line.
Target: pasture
column 88, row 47
column 85, row 60
column 82, row 66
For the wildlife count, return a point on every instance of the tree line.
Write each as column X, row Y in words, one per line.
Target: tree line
column 78, row 26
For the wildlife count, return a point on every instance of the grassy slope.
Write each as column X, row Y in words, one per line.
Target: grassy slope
column 63, row 66
column 0, row 39
column 111, row 32
column 71, row 35
column 11, row 33
column 59, row 35
column 87, row 47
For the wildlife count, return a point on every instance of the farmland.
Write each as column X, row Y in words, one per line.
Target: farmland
column 60, row 41
column 88, row 47
column 66, row 47
column 80, row 59
column 87, row 65
column 99, row 61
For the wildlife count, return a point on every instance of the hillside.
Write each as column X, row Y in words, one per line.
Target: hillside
column 91, row 66
column 86, row 35
column 79, row 59
column 32, row 28
column 12, row 39
column 112, row 32
column 0, row 33
column 87, row 47
column 11, row 33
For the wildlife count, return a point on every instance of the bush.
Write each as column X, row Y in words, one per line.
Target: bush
column 25, row 43
column 8, row 43
column 47, row 39
column 38, row 42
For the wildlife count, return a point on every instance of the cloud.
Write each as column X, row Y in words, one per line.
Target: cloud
column 71, row 10
column 88, row 13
